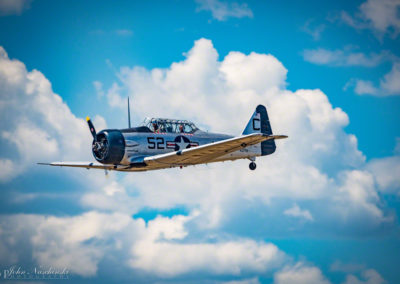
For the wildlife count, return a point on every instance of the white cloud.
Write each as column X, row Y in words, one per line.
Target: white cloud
column 227, row 258
column 8, row 170
column 156, row 253
column 27, row 137
column 345, row 57
column 319, row 163
column 387, row 173
column 14, row 7
column 370, row 276
column 43, row 127
column 300, row 273
column 113, row 97
column 381, row 16
column 61, row 242
column 222, row 10
column 245, row 281
column 391, row 81
column 246, row 72
column 389, row 85
column 359, row 188
column 296, row 211
column 365, row 87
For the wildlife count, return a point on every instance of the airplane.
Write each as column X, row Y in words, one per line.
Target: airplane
column 161, row 143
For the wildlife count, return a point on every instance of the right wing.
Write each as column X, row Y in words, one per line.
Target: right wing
column 206, row 153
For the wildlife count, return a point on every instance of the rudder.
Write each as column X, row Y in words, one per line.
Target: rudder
column 259, row 123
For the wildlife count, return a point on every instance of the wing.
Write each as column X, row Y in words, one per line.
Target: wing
column 87, row 165
column 206, row 153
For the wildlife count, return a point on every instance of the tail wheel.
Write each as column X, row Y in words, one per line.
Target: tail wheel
column 252, row 166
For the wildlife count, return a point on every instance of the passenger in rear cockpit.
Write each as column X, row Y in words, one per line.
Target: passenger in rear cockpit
column 155, row 127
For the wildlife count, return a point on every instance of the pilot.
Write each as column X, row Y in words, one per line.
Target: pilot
column 155, row 127
column 181, row 130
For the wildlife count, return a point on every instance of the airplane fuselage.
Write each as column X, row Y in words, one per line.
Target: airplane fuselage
column 141, row 144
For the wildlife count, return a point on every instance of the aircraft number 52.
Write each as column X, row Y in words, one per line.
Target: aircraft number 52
column 155, row 142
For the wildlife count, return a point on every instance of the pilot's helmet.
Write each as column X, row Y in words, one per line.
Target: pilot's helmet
column 155, row 126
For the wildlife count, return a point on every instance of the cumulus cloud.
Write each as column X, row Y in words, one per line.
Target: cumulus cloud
column 319, row 160
column 369, row 276
column 320, row 163
column 222, row 10
column 13, row 7
column 8, row 170
column 157, row 254
column 381, row 16
column 300, row 273
column 60, row 242
column 386, row 172
column 44, row 127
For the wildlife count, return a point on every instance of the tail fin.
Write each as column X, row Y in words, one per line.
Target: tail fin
column 259, row 123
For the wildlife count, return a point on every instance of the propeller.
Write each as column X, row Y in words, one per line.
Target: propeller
column 91, row 127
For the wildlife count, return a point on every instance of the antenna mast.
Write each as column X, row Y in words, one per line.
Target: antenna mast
column 129, row 115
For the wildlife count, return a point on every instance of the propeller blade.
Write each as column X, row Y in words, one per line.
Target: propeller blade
column 91, row 127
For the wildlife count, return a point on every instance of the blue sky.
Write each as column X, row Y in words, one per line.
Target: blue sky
column 327, row 201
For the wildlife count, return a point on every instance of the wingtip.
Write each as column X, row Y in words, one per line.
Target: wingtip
column 282, row 136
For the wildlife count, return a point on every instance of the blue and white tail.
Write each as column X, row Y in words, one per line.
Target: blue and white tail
column 259, row 123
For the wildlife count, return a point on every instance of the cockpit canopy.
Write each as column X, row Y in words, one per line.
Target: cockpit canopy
column 166, row 125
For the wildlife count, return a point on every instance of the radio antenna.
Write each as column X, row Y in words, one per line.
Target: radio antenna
column 129, row 115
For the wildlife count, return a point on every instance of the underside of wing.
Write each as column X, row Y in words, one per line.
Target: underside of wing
column 87, row 165
column 206, row 153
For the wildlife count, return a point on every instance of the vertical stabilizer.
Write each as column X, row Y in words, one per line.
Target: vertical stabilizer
column 259, row 123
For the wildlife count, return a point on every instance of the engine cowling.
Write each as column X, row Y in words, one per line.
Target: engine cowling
column 109, row 147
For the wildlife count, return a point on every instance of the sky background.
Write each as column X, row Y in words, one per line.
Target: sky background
column 323, row 209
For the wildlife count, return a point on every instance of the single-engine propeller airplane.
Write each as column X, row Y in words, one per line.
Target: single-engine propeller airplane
column 161, row 143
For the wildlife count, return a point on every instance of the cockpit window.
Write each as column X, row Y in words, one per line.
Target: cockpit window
column 162, row 125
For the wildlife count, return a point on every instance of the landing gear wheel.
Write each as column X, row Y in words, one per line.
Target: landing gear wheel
column 252, row 166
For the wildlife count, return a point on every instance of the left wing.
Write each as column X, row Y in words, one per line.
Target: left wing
column 87, row 165
column 206, row 153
